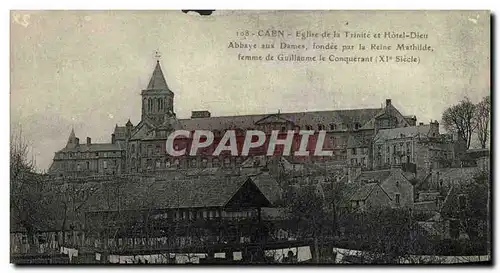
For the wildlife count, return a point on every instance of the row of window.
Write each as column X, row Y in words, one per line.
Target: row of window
column 360, row 162
column 361, row 151
column 158, row 104
column 83, row 166
column 205, row 214
column 71, row 155
column 193, row 163
column 402, row 147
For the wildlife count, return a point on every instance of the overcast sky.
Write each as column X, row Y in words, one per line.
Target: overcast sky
column 86, row 69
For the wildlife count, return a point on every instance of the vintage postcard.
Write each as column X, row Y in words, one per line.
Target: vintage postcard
column 250, row 137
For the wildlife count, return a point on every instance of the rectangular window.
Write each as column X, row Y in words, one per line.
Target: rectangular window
column 397, row 198
column 462, row 201
column 105, row 164
column 353, row 151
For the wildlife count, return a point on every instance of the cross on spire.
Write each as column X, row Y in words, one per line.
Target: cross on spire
column 157, row 55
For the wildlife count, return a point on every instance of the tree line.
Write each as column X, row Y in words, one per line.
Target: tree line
column 467, row 119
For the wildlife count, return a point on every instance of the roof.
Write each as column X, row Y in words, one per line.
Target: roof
column 412, row 131
column 374, row 176
column 167, row 194
column 477, row 153
column 428, row 196
column 457, row 174
column 269, row 186
column 355, row 141
column 94, row 147
column 157, row 81
column 363, row 192
column 120, row 132
column 299, row 118
column 425, row 206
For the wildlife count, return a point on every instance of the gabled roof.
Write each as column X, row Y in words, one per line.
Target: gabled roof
column 355, row 141
column 269, row 186
column 363, row 192
column 273, row 118
column 389, row 110
column 120, row 132
column 157, row 81
column 168, row 194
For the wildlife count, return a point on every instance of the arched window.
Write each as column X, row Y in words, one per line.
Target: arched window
column 159, row 104
column 150, row 104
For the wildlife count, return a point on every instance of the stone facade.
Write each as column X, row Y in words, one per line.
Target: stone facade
column 141, row 148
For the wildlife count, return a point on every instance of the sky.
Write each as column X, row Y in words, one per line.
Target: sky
column 85, row 69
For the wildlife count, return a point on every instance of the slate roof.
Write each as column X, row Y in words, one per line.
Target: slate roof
column 363, row 192
column 374, row 176
column 412, row 131
column 300, row 119
column 157, row 81
column 94, row 147
column 355, row 141
column 269, row 186
column 120, row 132
column 457, row 175
column 425, row 205
column 167, row 194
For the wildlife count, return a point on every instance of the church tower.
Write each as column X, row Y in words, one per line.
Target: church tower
column 157, row 98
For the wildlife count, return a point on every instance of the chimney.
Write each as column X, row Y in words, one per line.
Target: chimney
column 420, row 123
column 434, row 128
column 89, row 141
column 200, row 114
column 77, row 141
column 113, row 138
column 387, row 102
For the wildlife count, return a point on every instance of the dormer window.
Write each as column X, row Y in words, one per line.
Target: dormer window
column 333, row 127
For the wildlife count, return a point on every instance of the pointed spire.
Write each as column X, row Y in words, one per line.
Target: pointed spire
column 157, row 81
column 129, row 123
column 71, row 138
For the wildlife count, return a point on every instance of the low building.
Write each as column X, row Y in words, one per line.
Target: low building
column 393, row 182
column 87, row 159
column 179, row 212
column 418, row 149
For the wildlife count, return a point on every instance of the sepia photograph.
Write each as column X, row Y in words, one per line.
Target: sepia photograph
column 250, row 137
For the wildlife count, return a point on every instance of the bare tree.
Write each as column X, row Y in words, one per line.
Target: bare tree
column 482, row 119
column 460, row 118
column 26, row 203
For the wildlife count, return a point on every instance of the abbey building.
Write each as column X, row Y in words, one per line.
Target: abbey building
column 356, row 137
